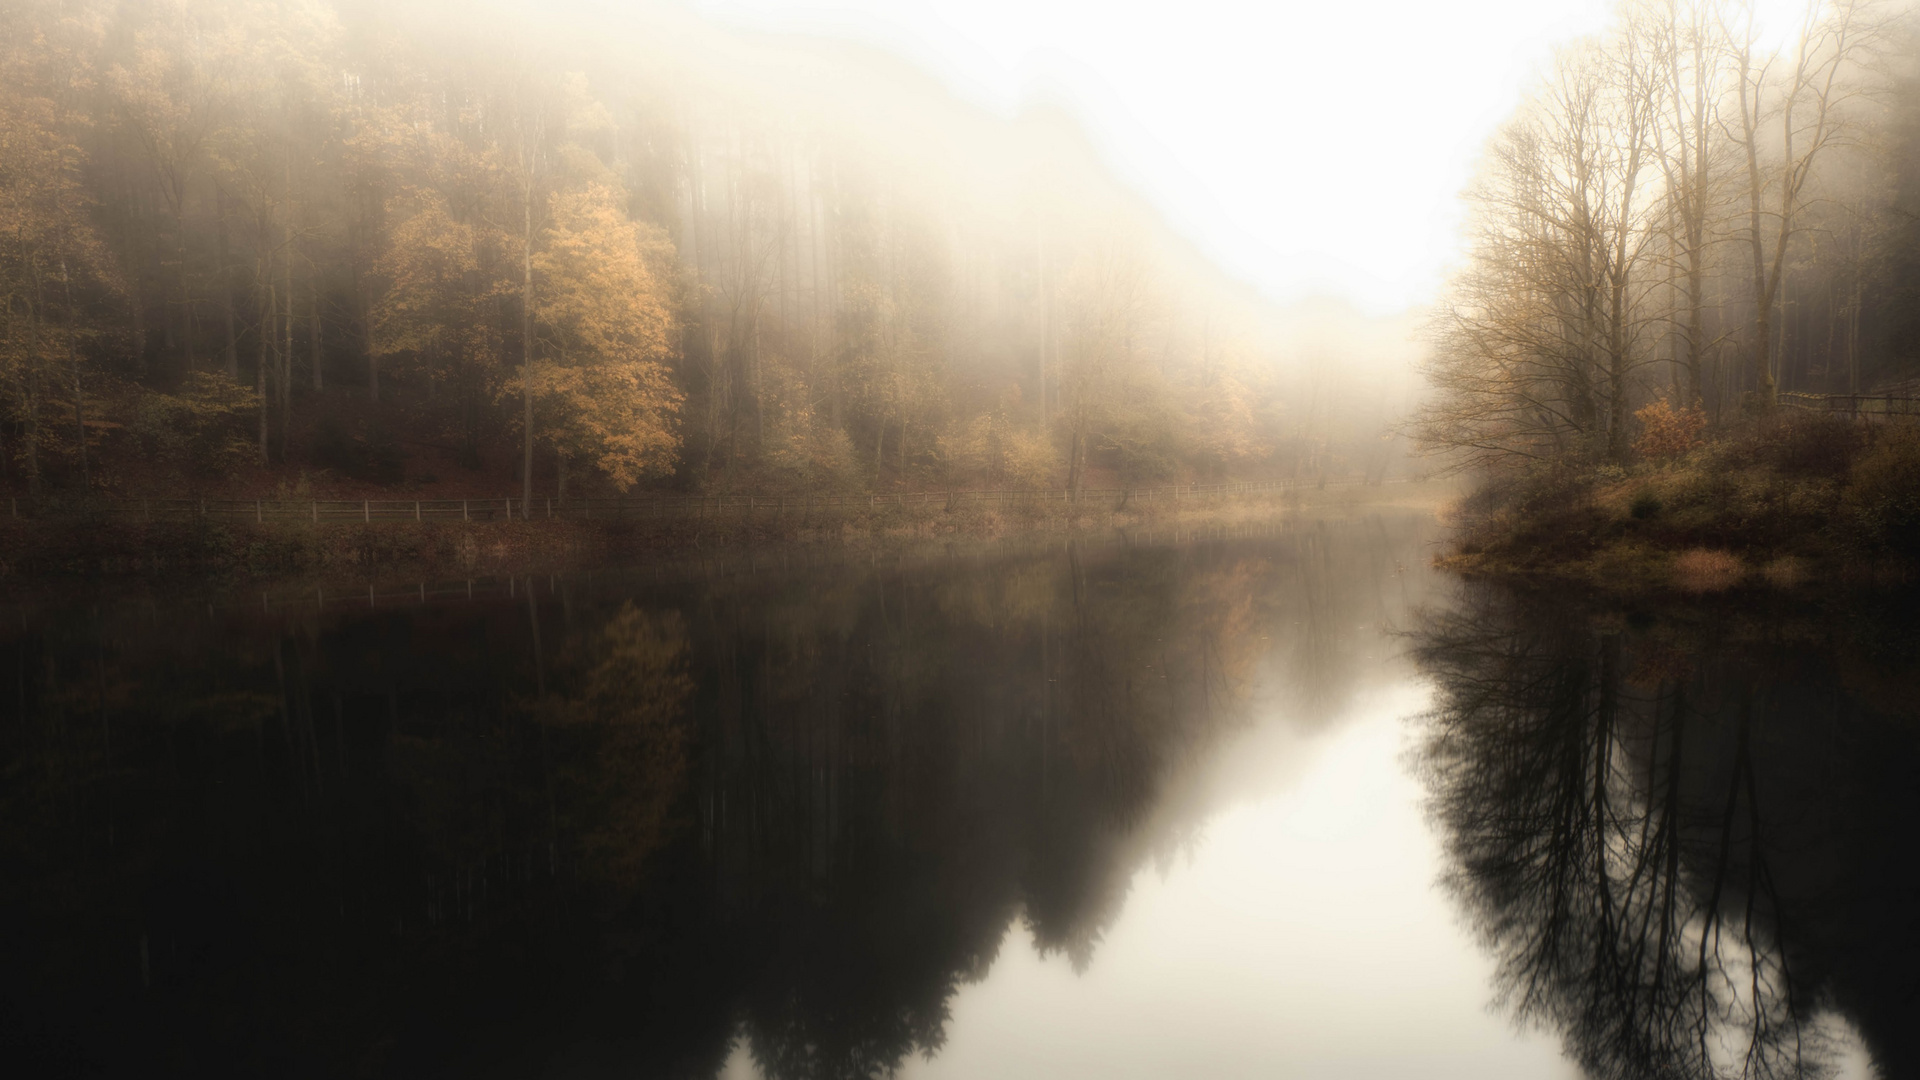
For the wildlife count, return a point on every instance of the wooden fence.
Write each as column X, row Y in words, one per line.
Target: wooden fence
column 1863, row 406
column 627, row 508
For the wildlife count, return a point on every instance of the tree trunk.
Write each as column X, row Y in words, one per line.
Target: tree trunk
column 186, row 288
column 286, row 352
column 73, row 362
column 526, row 338
column 265, row 337
column 363, row 309
column 230, row 353
column 1074, row 465
column 313, row 289
column 31, row 436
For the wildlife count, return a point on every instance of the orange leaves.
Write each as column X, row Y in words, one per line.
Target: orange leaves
column 428, row 265
column 1667, row 432
column 606, row 330
column 595, row 293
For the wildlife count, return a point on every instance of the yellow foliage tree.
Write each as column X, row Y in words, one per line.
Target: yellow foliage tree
column 427, row 263
column 606, row 333
column 49, row 251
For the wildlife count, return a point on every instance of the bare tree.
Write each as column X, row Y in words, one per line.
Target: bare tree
column 1536, row 350
column 1808, row 94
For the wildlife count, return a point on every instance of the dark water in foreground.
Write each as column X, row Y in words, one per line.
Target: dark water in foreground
column 1276, row 804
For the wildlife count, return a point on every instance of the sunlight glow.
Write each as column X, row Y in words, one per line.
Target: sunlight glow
column 1214, row 108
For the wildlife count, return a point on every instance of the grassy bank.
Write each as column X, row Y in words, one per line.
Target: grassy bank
column 1775, row 503
column 79, row 546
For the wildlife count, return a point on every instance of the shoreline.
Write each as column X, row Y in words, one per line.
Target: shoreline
column 1778, row 503
column 65, row 550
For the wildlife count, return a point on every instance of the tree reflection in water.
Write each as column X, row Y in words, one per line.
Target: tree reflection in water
column 1690, row 846
column 610, row 827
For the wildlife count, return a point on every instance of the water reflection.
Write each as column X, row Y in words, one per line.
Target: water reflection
column 611, row 826
column 1688, row 842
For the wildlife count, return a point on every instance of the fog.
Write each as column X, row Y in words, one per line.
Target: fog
column 628, row 245
column 753, row 247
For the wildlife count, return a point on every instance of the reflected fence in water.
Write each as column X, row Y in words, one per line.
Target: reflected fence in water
column 633, row 508
column 346, row 594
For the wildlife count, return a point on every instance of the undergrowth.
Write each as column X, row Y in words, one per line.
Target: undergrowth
column 1779, row 501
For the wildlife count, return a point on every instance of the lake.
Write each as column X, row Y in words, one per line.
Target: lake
column 1272, row 800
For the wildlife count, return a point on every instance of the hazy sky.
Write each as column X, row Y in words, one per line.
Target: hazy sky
column 1310, row 147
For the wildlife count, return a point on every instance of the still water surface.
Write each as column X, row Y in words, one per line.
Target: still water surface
column 1282, row 802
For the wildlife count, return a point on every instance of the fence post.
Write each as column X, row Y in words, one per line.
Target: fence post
column 366, row 514
column 549, row 507
column 464, row 516
column 316, row 511
column 416, row 509
column 256, row 511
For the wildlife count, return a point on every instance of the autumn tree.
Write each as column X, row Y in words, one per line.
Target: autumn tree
column 604, row 332
column 51, row 259
column 443, row 272
column 1106, row 306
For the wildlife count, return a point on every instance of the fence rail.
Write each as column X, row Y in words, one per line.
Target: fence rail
column 627, row 508
column 1861, row 405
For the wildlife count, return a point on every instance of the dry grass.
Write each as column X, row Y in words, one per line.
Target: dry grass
column 1785, row 572
column 1705, row 570
column 1799, row 498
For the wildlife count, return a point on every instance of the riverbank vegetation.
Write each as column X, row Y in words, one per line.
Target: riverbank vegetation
column 1769, row 503
column 1692, row 272
column 341, row 248
column 126, row 545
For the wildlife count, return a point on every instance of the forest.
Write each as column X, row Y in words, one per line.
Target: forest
column 291, row 246
column 1687, row 215
column 1692, row 273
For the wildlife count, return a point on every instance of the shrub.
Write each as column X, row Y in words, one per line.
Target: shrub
column 992, row 449
column 1803, row 445
column 1882, row 496
column 207, row 427
column 803, row 452
column 1784, row 572
column 1667, row 432
column 1707, row 570
column 1645, row 505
